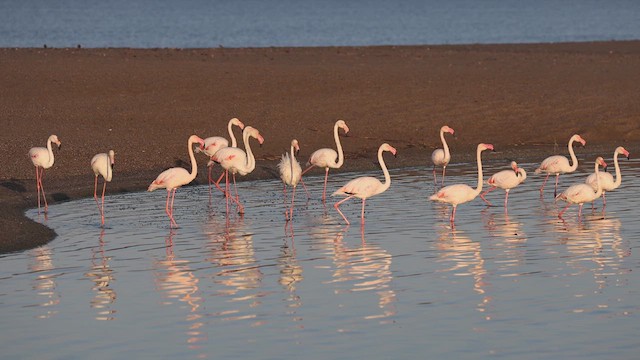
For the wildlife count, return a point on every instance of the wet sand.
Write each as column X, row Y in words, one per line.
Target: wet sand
column 527, row 100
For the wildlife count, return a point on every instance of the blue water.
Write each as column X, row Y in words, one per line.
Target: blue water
column 264, row 23
column 521, row 285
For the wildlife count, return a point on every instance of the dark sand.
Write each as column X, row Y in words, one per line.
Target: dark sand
column 527, row 100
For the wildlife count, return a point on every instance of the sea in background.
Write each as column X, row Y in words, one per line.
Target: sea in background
column 284, row 23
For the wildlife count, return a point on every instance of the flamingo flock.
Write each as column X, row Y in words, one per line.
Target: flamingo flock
column 234, row 160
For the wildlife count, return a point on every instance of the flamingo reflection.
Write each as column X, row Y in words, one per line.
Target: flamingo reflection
column 101, row 274
column 508, row 236
column 45, row 281
column 290, row 276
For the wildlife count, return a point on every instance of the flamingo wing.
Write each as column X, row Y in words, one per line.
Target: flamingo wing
column 362, row 187
column 324, row 158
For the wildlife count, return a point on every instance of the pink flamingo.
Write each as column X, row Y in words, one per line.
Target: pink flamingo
column 172, row 179
column 238, row 162
column 366, row 186
column 582, row 193
column 441, row 157
column 42, row 158
column 461, row 193
column 214, row 143
column 102, row 164
column 506, row 180
column 558, row 164
column 290, row 173
column 606, row 179
column 326, row 157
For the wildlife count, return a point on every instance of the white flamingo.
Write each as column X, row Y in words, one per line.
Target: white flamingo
column 506, row 180
column 441, row 157
column 328, row 158
column 290, row 173
column 582, row 193
column 236, row 161
column 606, row 179
column 214, row 143
column 102, row 165
column 172, row 179
column 461, row 193
column 558, row 164
column 366, row 186
column 42, row 158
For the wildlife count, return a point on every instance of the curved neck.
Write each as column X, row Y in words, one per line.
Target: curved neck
column 618, row 174
column 50, row 163
column 574, row 160
column 598, row 186
column 234, row 143
column 479, row 160
column 338, row 146
column 387, row 177
column 444, row 144
column 293, row 158
column 251, row 161
column 194, row 165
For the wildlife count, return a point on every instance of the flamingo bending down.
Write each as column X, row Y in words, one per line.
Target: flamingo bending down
column 172, row 179
column 366, row 186
column 461, row 193
column 214, row 143
column 441, row 157
column 506, row 180
column 238, row 162
column 102, row 164
column 42, row 158
column 558, row 164
column 329, row 158
column 606, row 179
column 582, row 193
column 290, row 173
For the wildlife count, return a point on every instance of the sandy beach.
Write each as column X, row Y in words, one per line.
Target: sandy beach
column 527, row 100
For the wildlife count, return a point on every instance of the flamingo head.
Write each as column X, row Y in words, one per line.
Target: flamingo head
column 514, row 166
column 54, row 139
column 343, row 125
column 254, row 133
column 445, row 129
column 196, row 139
column 623, row 151
column 112, row 157
column 600, row 161
column 389, row 148
column 579, row 138
column 294, row 144
column 237, row 122
column 483, row 147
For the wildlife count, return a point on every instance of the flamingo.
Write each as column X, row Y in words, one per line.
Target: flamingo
column 606, row 179
column 42, row 158
column 290, row 173
column 238, row 162
column 173, row 178
column 326, row 157
column 214, row 143
column 582, row 193
column 366, row 186
column 507, row 180
column 558, row 164
column 441, row 157
column 102, row 164
column 461, row 193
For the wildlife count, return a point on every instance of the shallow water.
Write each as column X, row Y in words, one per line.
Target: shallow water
column 524, row 285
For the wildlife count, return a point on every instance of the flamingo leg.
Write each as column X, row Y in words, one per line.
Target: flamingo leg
column 324, row 190
column 173, row 197
column 217, row 183
column 579, row 211
column 362, row 214
column 104, row 188
column 506, row 199
column 485, row 193
column 210, row 181
column 293, row 196
column 305, row 188
column 226, row 188
column 555, row 190
column 563, row 210
column 237, row 199
column 604, row 200
column 166, row 206
column 44, row 197
column 452, row 218
column 337, row 206
column 38, row 186
column 435, row 181
column 544, row 183
column 444, row 169
column 307, row 169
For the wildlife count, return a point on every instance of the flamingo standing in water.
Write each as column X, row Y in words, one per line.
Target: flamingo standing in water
column 214, row 143
column 606, row 179
column 290, row 173
column 461, row 193
column 42, row 158
column 102, row 164
column 172, row 179
column 366, row 186
column 441, row 157
column 506, row 180
column 329, row 158
column 558, row 164
column 238, row 162
column 582, row 193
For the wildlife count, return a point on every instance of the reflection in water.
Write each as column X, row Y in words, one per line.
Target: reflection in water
column 102, row 276
column 238, row 273
column 175, row 280
column 465, row 256
column 509, row 237
column 290, row 276
column 45, row 281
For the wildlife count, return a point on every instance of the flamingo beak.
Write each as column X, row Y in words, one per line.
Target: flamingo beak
column 260, row 140
column 627, row 155
column 60, row 146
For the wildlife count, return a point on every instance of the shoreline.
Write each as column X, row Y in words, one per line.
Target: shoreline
column 144, row 103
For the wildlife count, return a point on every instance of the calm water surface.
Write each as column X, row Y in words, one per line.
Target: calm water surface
column 524, row 285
